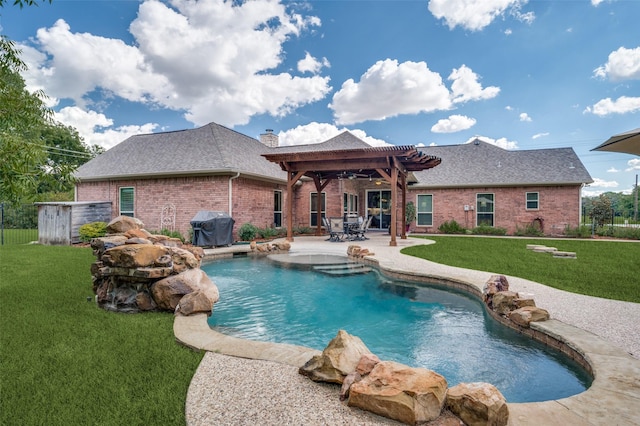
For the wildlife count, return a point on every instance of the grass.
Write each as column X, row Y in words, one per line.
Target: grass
column 64, row 361
column 607, row 269
column 19, row 236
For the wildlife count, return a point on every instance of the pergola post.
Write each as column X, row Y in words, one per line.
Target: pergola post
column 403, row 184
column 394, row 211
column 292, row 178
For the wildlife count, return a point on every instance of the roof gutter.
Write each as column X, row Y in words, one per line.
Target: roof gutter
column 231, row 192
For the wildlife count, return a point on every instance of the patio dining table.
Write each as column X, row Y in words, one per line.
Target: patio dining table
column 351, row 228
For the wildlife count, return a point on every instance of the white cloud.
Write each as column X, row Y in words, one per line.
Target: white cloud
column 597, row 2
column 319, row 132
column 623, row 64
column 88, row 123
column 388, row 89
column 586, row 192
column 311, row 64
column 502, row 142
column 466, row 87
column 508, row 31
column 613, row 170
column 454, row 123
column 601, row 183
column 633, row 165
column 509, row 108
column 213, row 60
column 524, row 117
column 475, row 15
column 539, row 135
column 622, row 105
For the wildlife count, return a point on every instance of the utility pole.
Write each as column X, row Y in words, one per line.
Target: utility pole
column 635, row 210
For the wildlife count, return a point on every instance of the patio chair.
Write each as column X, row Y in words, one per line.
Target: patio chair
column 335, row 226
column 364, row 226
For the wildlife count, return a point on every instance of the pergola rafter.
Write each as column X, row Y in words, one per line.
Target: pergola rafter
column 392, row 164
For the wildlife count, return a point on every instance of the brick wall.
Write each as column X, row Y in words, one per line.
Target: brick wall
column 559, row 207
column 253, row 202
column 189, row 195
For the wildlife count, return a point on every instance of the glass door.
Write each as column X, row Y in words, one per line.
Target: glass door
column 379, row 206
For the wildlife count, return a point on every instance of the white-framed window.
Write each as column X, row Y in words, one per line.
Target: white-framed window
column 313, row 210
column 127, row 201
column 349, row 203
column 485, row 209
column 277, row 209
column 424, row 210
column 533, row 200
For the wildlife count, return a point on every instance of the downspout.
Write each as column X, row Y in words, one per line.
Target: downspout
column 231, row 192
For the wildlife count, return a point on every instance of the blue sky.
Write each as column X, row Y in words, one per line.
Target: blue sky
column 520, row 74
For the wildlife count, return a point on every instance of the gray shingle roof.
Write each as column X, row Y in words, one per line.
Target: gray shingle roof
column 482, row 164
column 215, row 149
column 205, row 150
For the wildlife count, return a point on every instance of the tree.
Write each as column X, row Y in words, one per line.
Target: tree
column 66, row 151
column 601, row 212
column 23, row 3
column 22, row 115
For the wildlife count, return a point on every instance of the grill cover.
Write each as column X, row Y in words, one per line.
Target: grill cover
column 212, row 228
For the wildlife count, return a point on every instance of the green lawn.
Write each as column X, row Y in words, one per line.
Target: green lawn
column 608, row 269
column 64, row 361
column 19, row 236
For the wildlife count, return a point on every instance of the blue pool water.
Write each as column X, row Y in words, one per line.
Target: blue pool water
column 421, row 326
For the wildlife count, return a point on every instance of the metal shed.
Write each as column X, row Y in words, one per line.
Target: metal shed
column 58, row 222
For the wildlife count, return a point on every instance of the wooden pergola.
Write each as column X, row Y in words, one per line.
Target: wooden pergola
column 393, row 164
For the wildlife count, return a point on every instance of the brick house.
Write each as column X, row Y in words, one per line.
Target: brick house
column 215, row 168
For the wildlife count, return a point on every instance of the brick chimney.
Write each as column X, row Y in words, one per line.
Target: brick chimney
column 269, row 138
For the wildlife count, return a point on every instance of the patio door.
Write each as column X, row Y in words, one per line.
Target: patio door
column 379, row 206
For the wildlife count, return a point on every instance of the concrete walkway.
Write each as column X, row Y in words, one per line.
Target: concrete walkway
column 604, row 333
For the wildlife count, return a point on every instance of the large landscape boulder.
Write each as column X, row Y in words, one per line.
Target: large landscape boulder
column 478, row 404
column 168, row 292
column 199, row 301
column 135, row 255
column 183, row 259
column 339, row 358
column 528, row 314
column 409, row 395
column 504, row 302
column 139, row 271
column 122, row 224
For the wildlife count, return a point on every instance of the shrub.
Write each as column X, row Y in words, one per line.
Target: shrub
column 630, row 233
column 268, row 232
column 92, row 230
column 488, row 230
column 302, row 230
column 578, row 232
column 528, row 231
column 451, row 227
column 248, row 232
column 169, row 233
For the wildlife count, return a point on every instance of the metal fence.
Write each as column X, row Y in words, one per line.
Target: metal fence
column 615, row 219
column 18, row 224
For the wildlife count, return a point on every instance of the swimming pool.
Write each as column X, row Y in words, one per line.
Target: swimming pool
column 417, row 325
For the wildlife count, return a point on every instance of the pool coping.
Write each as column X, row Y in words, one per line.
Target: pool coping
column 612, row 398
